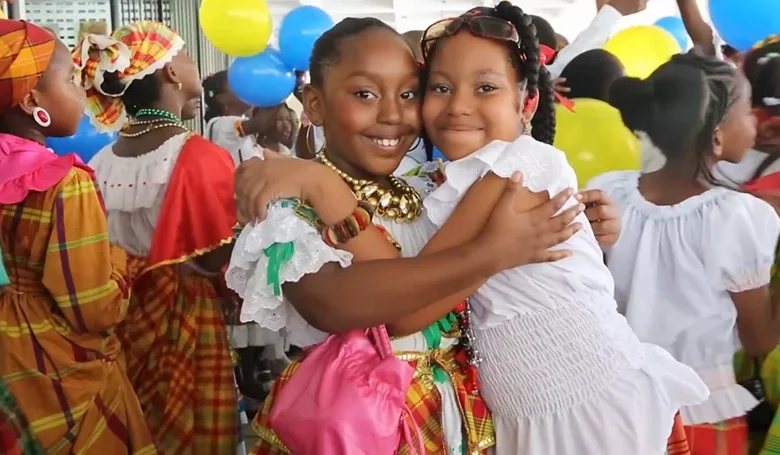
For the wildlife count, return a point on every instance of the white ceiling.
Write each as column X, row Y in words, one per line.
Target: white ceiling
column 569, row 17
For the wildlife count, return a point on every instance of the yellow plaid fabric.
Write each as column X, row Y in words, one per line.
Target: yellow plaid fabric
column 57, row 316
column 25, row 52
column 132, row 52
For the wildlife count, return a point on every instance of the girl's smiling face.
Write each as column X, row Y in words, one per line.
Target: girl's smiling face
column 368, row 103
column 473, row 95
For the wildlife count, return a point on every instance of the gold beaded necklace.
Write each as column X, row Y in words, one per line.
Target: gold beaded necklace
column 400, row 203
column 151, row 125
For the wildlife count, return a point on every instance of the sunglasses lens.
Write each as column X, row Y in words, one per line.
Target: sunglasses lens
column 484, row 26
column 491, row 27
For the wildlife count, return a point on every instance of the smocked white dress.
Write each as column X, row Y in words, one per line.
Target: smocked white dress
column 247, row 275
column 674, row 267
column 561, row 371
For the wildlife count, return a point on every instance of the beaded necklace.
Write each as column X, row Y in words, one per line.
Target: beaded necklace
column 158, row 119
column 400, row 203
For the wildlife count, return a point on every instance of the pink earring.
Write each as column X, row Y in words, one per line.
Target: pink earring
column 41, row 117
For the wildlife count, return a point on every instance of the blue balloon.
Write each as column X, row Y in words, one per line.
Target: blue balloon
column 744, row 23
column 300, row 28
column 676, row 27
column 263, row 80
column 85, row 143
column 436, row 155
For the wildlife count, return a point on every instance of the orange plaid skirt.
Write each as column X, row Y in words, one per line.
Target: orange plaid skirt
column 179, row 361
column 422, row 399
column 724, row 438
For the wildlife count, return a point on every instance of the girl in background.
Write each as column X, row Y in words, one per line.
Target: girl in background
column 692, row 266
column 240, row 129
column 169, row 197
column 60, row 378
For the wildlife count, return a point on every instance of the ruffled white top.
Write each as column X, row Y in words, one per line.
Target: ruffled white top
column 674, row 267
column 559, row 363
column 133, row 190
column 248, row 276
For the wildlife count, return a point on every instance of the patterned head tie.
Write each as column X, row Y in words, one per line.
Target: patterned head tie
column 25, row 53
column 132, row 52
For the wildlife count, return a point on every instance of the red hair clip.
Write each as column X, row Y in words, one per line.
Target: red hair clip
column 547, row 54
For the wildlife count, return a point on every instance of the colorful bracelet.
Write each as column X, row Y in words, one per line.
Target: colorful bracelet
column 350, row 227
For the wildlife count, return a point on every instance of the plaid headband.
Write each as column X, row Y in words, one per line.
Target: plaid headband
column 25, row 53
column 133, row 52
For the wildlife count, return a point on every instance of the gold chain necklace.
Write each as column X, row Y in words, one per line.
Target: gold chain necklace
column 400, row 203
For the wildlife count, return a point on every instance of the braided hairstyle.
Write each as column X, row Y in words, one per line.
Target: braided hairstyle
column 536, row 75
column 762, row 68
column 680, row 106
column 327, row 49
column 213, row 86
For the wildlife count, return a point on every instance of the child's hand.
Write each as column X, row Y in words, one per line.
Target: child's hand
column 603, row 216
column 258, row 182
column 524, row 237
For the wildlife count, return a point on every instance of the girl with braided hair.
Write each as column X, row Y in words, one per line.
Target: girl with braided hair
column 692, row 266
column 559, row 363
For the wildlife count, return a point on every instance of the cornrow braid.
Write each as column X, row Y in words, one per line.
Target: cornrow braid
column 536, row 76
column 212, row 86
column 327, row 49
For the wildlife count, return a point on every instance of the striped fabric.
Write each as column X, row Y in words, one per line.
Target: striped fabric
column 133, row 52
column 178, row 359
column 25, row 51
column 67, row 293
column 678, row 441
column 422, row 400
column 724, row 438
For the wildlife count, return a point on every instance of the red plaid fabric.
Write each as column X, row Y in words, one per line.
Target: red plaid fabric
column 724, row 438
column 25, row 52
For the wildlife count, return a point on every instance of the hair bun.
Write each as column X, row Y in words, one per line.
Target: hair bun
column 633, row 97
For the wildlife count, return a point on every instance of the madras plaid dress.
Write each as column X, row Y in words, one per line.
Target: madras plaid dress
column 57, row 318
column 422, row 399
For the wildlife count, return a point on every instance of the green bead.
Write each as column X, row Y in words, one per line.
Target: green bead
column 157, row 113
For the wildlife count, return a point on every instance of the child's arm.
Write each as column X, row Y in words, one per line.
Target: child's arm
column 84, row 274
column 698, row 29
column 466, row 222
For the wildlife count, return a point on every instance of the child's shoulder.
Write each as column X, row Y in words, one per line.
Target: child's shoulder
column 543, row 166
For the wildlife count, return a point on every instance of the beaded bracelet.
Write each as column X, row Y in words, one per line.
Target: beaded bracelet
column 350, row 227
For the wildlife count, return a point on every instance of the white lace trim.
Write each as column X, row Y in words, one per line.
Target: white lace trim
column 132, row 183
column 248, row 270
column 544, row 168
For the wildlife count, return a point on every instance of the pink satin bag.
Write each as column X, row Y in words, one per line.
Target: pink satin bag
column 348, row 397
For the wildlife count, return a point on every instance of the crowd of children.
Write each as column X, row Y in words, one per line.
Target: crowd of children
column 510, row 313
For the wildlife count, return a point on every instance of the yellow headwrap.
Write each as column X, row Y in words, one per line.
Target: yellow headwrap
column 134, row 52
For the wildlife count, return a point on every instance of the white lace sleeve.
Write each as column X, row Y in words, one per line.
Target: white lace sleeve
column 544, row 168
column 281, row 249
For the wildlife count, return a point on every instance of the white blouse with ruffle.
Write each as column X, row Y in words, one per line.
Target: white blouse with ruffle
column 674, row 267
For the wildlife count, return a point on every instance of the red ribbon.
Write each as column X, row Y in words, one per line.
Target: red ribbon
column 547, row 54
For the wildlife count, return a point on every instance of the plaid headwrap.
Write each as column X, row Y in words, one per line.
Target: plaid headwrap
column 133, row 52
column 25, row 52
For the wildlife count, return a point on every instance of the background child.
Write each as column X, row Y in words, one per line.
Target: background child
column 691, row 267
column 67, row 288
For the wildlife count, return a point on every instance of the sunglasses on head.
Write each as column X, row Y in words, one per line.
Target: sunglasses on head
column 482, row 26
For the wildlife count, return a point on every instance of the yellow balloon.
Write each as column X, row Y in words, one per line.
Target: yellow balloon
column 595, row 139
column 239, row 28
column 642, row 49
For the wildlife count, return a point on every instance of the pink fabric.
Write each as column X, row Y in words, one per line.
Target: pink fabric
column 347, row 396
column 28, row 166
